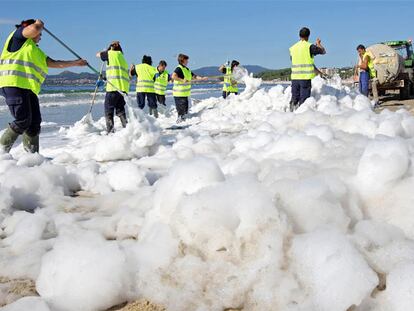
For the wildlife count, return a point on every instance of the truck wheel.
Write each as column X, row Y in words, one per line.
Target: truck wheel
column 405, row 91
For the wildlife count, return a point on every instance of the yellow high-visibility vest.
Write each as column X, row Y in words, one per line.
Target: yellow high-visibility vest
column 183, row 89
column 372, row 71
column 26, row 68
column 229, row 86
column 303, row 64
column 161, row 82
column 145, row 79
column 117, row 73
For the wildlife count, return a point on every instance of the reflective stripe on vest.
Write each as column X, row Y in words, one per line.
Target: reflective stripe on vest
column 371, row 69
column 303, row 65
column 145, row 78
column 161, row 83
column 229, row 85
column 183, row 89
column 5, row 73
column 26, row 68
column 117, row 68
column 23, row 63
column 117, row 77
column 117, row 72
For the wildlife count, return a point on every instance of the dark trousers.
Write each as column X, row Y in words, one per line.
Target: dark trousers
column 225, row 94
column 301, row 90
column 181, row 103
column 160, row 99
column 114, row 102
column 24, row 107
column 152, row 101
column 364, row 83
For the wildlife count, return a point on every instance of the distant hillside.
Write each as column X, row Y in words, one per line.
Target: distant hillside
column 213, row 70
column 279, row 74
column 73, row 75
column 69, row 77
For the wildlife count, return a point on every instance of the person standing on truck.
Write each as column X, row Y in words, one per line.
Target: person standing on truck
column 303, row 67
column 367, row 73
column 23, row 69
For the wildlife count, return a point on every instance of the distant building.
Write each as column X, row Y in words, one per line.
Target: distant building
column 329, row 71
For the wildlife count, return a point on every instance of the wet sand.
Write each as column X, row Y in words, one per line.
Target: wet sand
column 393, row 103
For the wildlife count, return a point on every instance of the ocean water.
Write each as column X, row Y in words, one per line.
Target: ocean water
column 62, row 106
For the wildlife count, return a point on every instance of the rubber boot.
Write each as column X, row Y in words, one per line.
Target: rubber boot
column 109, row 123
column 7, row 139
column 181, row 119
column 293, row 105
column 123, row 119
column 30, row 143
column 155, row 112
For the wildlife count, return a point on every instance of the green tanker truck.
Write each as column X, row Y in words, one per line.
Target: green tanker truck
column 394, row 63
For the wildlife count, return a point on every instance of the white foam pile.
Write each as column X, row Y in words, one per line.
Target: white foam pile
column 89, row 140
column 245, row 206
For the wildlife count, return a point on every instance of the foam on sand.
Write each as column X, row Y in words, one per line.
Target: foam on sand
column 247, row 206
column 90, row 141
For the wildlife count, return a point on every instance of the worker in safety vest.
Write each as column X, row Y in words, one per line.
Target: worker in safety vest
column 303, row 67
column 117, row 77
column 229, row 84
column 162, row 77
column 145, row 73
column 367, row 72
column 182, row 77
column 23, row 69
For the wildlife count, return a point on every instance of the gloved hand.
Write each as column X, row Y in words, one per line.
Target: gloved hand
column 99, row 83
column 324, row 76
